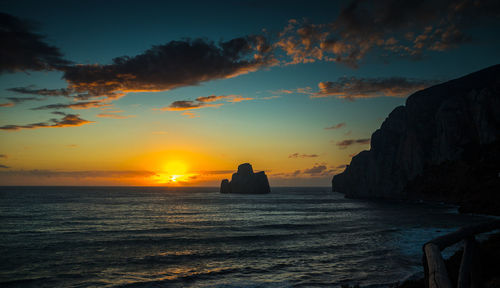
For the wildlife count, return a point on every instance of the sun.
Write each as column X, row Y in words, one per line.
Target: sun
column 174, row 173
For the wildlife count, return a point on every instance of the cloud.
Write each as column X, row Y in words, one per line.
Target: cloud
column 42, row 92
column 318, row 169
column 17, row 100
column 239, row 99
column 3, row 156
column 352, row 88
column 270, row 97
column 336, row 126
column 304, row 90
column 23, row 49
column 349, row 142
column 77, row 105
column 407, row 28
column 172, row 65
column 188, row 105
column 114, row 116
column 190, row 114
column 69, row 120
column 297, row 155
column 203, row 102
column 211, row 98
column 3, row 166
column 81, row 174
column 214, row 172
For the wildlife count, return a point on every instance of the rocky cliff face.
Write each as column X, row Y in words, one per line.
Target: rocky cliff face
column 436, row 125
column 245, row 181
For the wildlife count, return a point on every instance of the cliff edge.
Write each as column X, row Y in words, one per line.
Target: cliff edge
column 452, row 123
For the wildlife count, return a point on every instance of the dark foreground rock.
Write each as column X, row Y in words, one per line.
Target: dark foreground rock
column 443, row 145
column 245, row 181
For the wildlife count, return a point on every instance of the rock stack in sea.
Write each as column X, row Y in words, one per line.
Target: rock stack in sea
column 245, row 181
column 450, row 131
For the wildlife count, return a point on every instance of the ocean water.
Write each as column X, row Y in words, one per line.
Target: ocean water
column 196, row 237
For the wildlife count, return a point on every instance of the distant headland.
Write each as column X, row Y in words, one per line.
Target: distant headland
column 443, row 145
column 245, row 181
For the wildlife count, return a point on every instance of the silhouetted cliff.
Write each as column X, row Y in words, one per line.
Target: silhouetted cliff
column 451, row 123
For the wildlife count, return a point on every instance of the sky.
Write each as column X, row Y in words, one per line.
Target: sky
column 163, row 93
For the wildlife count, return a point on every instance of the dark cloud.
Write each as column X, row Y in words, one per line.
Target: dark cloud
column 352, row 88
column 405, row 28
column 349, row 142
column 42, row 92
column 336, row 126
column 3, row 166
column 77, row 105
column 188, row 105
column 23, row 49
column 211, row 98
column 297, row 155
column 172, row 65
column 3, row 156
column 68, row 120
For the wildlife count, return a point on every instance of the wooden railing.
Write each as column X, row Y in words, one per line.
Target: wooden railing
column 436, row 275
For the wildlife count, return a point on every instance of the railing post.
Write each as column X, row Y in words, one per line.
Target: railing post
column 464, row 274
column 438, row 276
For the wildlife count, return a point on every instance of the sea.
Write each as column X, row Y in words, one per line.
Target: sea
column 197, row 237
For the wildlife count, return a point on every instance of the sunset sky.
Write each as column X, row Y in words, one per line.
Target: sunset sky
column 163, row 93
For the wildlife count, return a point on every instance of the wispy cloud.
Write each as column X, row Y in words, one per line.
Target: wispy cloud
column 77, row 105
column 114, row 116
column 301, row 90
column 349, row 142
column 336, row 126
column 204, row 102
column 30, row 90
column 352, row 88
column 69, row 120
column 298, row 155
column 82, row 174
column 8, row 104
